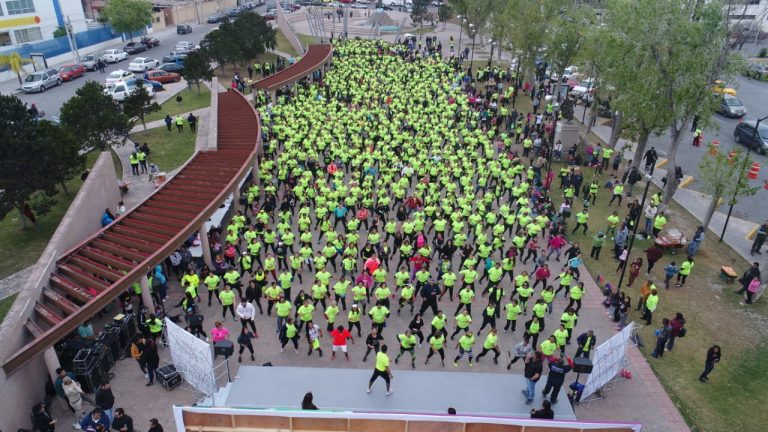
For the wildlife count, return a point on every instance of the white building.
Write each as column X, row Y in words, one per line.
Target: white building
column 27, row 21
column 749, row 14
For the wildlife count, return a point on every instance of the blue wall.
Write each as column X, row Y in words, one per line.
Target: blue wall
column 59, row 46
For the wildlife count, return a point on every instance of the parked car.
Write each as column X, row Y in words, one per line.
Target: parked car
column 213, row 19
column 71, row 71
column 731, row 106
column 183, row 29
column 150, row 42
column 114, row 55
column 172, row 67
column 142, row 64
column 758, row 71
column 582, row 87
column 162, row 76
column 174, row 58
column 270, row 16
column 119, row 75
column 183, row 46
column 156, row 85
column 40, row 81
column 89, row 62
column 745, row 134
column 134, row 48
column 122, row 90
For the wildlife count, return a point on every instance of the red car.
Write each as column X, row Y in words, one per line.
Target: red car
column 71, row 71
column 162, row 76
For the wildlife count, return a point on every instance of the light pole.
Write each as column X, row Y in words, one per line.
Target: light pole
column 473, row 32
column 462, row 21
column 741, row 174
column 490, row 59
column 648, row 178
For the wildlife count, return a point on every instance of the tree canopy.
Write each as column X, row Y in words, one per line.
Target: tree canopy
column 197, row 68
column 128, row 16
column 139, row 104
column 94, row 118
column 241, row 40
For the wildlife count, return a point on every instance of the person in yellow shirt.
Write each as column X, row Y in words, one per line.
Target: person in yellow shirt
column 490, row 344
column 382, row 370
column 227, row 298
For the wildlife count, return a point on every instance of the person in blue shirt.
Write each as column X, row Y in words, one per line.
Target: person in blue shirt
column 107, row 218
column 91, row 421
column 669, row 272
column 341, row 214
column 162, row 282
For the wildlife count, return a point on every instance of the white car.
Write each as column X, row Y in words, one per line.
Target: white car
column 119, row 75
column 114, row 55
column 183, row 46
column 584, row 86
column 122, row 90
column 143, row 64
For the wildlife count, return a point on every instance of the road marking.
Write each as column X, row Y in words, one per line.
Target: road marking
column 662, row 163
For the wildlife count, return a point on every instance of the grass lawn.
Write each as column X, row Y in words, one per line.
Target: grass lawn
column 169, row 151
column 21, row 248
column 191, row 101
column 5, row 305
column 713, row 314
column 283, row 44
column 306, row 40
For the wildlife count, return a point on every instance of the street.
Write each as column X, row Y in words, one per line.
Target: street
column 51, row 101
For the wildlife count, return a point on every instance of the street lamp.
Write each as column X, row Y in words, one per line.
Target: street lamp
column 741, row 175
column 648, row 178
column 490, row 59
column 473, row 32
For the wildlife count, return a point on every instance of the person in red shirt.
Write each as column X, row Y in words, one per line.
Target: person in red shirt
column 542, row 274
column 339, row 338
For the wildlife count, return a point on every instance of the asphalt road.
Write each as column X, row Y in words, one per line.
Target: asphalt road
column 753, row 95
column 51, row 101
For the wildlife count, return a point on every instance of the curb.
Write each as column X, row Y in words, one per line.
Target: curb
column 662, row 163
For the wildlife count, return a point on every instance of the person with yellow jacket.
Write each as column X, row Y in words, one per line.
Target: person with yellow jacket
column 685, row 270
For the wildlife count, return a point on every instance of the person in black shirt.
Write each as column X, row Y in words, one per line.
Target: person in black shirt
column 556, row 378
column 713, row 356
column 429, row 293
column 533, row 369
column 372, row 342
column 415, row 326
column 41, row 419
column 545, row 412
column 122, row 422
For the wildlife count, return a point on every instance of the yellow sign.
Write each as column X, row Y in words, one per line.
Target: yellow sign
column 19, row 22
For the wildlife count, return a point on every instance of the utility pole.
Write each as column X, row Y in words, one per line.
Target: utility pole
column 72, row 41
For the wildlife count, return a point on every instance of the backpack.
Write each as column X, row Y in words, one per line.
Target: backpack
column 682, row 332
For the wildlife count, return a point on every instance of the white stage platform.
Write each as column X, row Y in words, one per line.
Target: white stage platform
column 416, row 392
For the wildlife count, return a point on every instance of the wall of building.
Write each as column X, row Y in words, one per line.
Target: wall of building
column 39, row 24
column 185, row 13
column 83, row 218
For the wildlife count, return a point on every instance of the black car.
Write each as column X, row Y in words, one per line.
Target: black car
column 150, row 42
column 745, row 134
column 183, row 29
column 134, row 48
column 172, row 67
column 213, row 19
column 174, row 58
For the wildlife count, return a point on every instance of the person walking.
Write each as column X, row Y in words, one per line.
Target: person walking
column 685, row 270
column 749, row 275
column 713, row 356
column 652, row 254
column 598, row 241
column 677, row 326
column 533, row 370
column 105, row 400
column 382, row 370
column 192, row 122
column 179, row 121
column 244, row 340
column 168, row 122
column 762, row 233
column 555, row 379
column 662, row 337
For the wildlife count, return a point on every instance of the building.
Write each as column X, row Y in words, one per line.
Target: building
column 28, row 21
column 749, row 16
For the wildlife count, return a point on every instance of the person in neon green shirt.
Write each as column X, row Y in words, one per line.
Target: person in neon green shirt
column 437, row 345
column 289, row 333
column 549, row 347
column 319, row 293
column 379, row 315
column 353, row 319
column 212, row 281
column 382, row 370
column 407, row 344
column 305, row 313
column 227, row 298
column 466, row 296
column 382, row 293
column 569, row 319
column 438, row 322
column 330, row 315
column 582, row 218
column 406, row 296
column 465, row 347
column 491, row 344
column 618, row 193
column 283, row 312
column 651, row 303
column 463, row 321
column 560, row 335
column 576, row 293
column 685, row 270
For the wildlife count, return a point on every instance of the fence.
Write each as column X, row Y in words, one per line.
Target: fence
column 59, row 46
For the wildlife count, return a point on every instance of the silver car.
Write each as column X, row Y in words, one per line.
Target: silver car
column 90, row 62
column 40, row 81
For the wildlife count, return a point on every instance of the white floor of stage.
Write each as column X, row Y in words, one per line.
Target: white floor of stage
column 422, row 392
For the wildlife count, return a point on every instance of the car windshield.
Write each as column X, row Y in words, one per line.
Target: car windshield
column 733, row 102
column 66, row 68
column 34, row 77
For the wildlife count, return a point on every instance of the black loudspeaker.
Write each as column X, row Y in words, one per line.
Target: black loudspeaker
column 223, row 348
column 267, row 364
column 582, row 365
column 168, row 377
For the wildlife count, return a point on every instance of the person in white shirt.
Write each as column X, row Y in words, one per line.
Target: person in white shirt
column 245, row 311
column 120, row 209
column 650, row 214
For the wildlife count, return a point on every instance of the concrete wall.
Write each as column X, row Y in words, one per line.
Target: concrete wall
column 287, row 28
column 83, row 218
column 185, row 13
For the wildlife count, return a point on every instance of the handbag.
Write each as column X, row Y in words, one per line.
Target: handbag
column 682, row 332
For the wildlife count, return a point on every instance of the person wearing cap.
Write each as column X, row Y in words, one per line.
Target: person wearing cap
column 353, row 319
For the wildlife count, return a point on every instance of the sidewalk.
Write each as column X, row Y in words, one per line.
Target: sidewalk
column 736, row 236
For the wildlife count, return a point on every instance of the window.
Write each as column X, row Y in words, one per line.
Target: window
column 28, row 35
column 5, row 39
column 16, row 7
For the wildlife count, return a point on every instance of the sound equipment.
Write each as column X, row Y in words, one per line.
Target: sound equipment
column 168, row 377
column 223, row 348
column 89, row 379
column 84, row 360
column 582, row 365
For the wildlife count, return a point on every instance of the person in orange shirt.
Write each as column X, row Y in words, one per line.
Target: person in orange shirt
column 645, row 291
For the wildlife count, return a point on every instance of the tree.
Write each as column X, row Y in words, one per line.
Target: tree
column 128, row 16
column 567, row 33
column 419, row 12
column 15, row 63
column 60, row 32
column 444, row 13
column 94, row 118
column 63, row 158
column 139, row 104
column 725, row 178
column 243, row 39
column 197, row 68
column 27, row 173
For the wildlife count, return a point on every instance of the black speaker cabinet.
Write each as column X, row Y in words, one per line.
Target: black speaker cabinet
column 223, row 348
column 582, row 365
column 168, row 377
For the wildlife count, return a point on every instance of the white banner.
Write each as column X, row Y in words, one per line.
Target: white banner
column 606, row 362
column 192, row 358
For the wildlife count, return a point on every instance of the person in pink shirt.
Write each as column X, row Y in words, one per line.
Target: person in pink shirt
column 542, row 274
column 219, row 332
column 556, row 244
